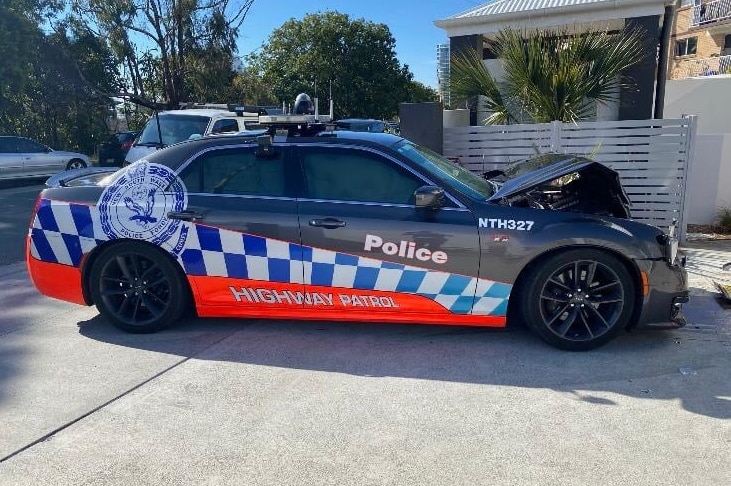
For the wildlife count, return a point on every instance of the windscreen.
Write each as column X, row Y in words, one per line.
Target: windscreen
column 465, row 181
column 173, row 128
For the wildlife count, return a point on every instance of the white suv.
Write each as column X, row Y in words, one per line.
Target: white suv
column 179, row 125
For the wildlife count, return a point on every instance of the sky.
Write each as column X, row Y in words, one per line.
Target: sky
column 411, row 23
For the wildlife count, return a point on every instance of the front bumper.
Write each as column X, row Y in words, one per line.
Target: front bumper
column 668, row 290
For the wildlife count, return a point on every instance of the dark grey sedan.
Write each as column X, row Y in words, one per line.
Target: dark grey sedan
column 355, row 226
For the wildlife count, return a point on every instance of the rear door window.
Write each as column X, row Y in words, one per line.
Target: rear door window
column 236, row 171
column 29, row 146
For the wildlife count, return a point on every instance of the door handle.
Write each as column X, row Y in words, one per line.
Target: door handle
column 330, row 223
column 185, row 215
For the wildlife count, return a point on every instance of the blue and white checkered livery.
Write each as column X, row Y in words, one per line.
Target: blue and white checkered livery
column 216, row 252
column 64, row 232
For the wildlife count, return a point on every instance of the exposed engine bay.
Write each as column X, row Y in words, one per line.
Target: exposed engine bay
column 561, row 183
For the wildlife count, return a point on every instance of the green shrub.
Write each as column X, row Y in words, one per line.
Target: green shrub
column 723, row 219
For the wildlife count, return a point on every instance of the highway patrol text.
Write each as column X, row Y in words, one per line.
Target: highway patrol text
column 271, row 296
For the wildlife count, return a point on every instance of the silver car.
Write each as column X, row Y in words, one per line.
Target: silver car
column 21, row 157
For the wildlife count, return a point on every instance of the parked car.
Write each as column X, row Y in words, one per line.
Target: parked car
column 113, row 151
column 21, row 157
column 170, row 127
column 355, row 227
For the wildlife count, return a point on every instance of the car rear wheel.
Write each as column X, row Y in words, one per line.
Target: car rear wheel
column 76, row 164
column 579, row 299
column 137, row 288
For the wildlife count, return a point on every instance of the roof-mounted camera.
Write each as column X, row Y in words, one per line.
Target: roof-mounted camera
column 304, row 120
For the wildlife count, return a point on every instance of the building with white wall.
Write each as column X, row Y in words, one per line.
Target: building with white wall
column 474, row 28
column 709, row 174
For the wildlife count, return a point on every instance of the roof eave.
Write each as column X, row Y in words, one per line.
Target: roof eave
column 495, row 22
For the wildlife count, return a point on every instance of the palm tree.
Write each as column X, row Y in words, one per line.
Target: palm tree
column 549, row 75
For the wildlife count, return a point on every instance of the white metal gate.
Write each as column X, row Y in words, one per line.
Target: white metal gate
column 651, row 156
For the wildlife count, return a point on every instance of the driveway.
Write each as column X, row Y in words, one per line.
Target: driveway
column 273, row 403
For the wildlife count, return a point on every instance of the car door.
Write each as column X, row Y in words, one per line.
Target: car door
column 243, row 252
column 11, row 162
column 37, row 160
column 368, row 248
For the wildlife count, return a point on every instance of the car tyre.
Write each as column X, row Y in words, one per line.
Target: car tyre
column 137, row 288
column 76, row 164
column 578, row 300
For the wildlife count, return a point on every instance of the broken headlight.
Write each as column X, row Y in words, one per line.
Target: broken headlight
column 672, row 243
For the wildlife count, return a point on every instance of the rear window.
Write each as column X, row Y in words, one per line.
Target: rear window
column 125, row 136
column 173, row 129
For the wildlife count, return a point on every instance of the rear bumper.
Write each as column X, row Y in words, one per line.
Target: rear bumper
column 56, row 280
column 668, row 291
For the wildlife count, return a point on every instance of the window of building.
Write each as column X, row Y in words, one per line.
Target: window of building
column 686, row 47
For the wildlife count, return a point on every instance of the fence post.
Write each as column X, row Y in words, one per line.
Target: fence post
column 556, row 136
column 684, row 186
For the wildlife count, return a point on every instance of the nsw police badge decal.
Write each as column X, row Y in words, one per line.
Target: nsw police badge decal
column 136, row 206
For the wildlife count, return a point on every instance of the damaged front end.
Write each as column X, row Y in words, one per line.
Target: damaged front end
column 562, row 183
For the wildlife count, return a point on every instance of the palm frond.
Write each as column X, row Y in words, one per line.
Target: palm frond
column 559, row 75
column 470, row 78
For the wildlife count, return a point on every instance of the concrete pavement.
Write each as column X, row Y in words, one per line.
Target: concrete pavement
column 257, row 402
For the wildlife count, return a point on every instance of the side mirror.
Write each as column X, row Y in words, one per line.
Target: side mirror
column 429, row 197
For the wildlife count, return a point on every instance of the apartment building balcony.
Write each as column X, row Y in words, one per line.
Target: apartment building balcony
column 711, row 66
column 710, row 13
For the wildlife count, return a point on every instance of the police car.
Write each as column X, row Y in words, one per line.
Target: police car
column 357, row 227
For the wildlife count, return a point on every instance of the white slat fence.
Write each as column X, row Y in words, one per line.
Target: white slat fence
column 651, row 156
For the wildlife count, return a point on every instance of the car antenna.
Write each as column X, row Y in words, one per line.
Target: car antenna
column 159, row 130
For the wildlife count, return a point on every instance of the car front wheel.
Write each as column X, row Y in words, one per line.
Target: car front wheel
column 578, row 300
column 137, row 288
column 76, row 164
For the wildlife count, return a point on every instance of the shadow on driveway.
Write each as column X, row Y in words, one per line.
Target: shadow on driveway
column 644, row 364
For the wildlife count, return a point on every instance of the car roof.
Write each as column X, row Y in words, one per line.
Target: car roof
column 385, row 139
column 175, row 155
column 359, row 120
column 200, row 112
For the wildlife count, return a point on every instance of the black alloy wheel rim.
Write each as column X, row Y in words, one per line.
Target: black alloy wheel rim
column 582, row 301
column 135, row 289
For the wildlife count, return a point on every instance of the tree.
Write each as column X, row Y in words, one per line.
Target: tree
column 44, row 77
column 248, row 87
column 356, row 57
column 182, row 34
column 419, row 93
column 19, row 38
column 549, row 75
column 65, row 94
